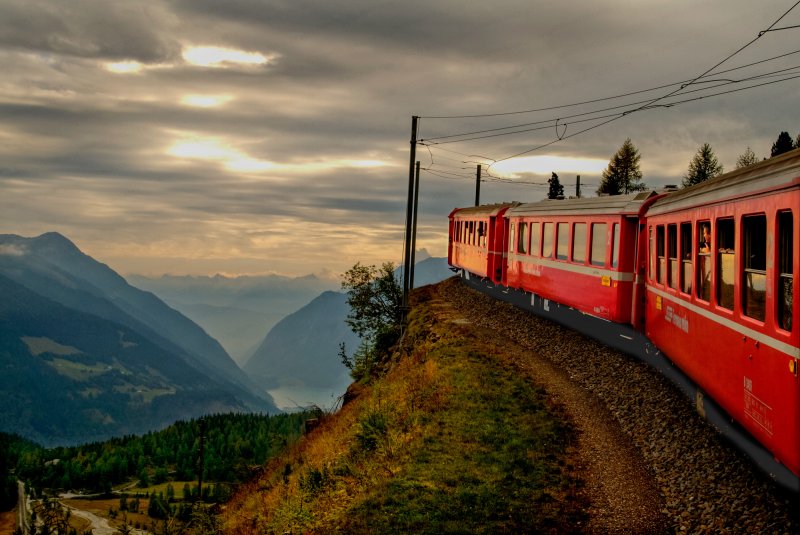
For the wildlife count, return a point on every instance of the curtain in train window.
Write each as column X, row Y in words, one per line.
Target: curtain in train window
column 754, row 231
column 704, row 260
column 615, row 245
column 511, row 239
column 672, row 256
column 547, row 240
column 522, row 242
column 599, row 241
column 652, row 250
column 579, row 243
column 536, row 239
column 562, row 246
column 482, row 233
column 686, row 258
column 785, row 270
column 726, row 243
column 661, row 262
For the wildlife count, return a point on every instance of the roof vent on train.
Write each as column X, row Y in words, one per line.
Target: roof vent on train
column 670, row 187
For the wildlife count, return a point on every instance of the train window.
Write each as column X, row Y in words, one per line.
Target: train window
column 686, row 258
column 579, row 243
column 661, row 262
column 704, row 261
column 785, row 270
column 652, row 253
column 615, row 241
column 754, row 231
column 672, row 256
column 511, row 239
column 547, row 240
column 562, row 246
column 522, row 242
column 536, row 238
column 726, row 240
column 599, row 241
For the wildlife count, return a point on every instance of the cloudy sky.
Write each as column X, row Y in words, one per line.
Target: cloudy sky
column 258, row 136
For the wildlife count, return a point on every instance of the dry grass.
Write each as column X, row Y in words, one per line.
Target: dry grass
column 446, row 441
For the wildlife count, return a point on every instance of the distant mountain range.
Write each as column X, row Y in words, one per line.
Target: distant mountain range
column 237, row 311
column 299, row 358
column 87, row 356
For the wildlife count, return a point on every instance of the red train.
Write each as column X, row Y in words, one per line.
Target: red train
column 703, row 276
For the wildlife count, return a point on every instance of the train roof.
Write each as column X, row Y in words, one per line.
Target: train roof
column 482, row 210
column 779, row 172
column 629, row 204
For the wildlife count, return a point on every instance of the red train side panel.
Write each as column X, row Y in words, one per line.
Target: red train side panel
column 477, row 236
column 578, row 252
column 721, row 301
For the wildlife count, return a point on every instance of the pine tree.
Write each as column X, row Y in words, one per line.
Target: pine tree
column 783, row 144
column 622, row 174
column 556, row 189
column 797, row 142
column 748, row 157
column 704, row 165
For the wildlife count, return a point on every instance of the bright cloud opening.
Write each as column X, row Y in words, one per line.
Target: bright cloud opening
column 238, row 161
column 544, row 165
column 124, row 67
column 205, row 101
column 214, row 56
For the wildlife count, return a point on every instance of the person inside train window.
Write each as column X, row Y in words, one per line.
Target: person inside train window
column 705, row 239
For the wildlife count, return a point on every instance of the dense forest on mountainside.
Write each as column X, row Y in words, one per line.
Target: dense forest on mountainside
column 234, row 443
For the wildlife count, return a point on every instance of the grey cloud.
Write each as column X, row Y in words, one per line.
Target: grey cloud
column 87, row 28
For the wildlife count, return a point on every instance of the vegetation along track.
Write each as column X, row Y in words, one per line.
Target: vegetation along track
column 667, row 467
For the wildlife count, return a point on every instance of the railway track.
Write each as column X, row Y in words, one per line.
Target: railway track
column 705, row 485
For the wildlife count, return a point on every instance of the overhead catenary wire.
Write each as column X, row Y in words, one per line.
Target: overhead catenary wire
column 641, row 105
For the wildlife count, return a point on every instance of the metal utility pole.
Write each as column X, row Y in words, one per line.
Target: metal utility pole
column 409, row 214
column 578, row 187
column 478, row 187
column 414, row 230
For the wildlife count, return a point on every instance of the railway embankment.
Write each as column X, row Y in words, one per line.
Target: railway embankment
column 704, row 484
column 490, row 420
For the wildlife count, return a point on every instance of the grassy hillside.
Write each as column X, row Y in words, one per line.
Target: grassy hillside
column 449, row 440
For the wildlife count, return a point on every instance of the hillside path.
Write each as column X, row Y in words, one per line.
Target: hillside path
column 623, row 495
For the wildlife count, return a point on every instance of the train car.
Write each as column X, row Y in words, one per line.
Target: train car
column 477, row 238
column 722, row 257
column 578, row 252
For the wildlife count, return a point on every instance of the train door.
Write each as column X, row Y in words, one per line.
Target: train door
column 641, row 261
column 504, row 247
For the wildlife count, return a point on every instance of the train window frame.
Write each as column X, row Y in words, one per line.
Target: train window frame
column 754, row 272
column 481, row 234
column 661, row 262
column 726, row 263
column 686, row 250
column 579, row 240
column 522, row 238
column 672, row 256
column 785, row 272
column 562, row 241
column 536, row 238
column 548, row 235
column 704, row 261
column 599, row 244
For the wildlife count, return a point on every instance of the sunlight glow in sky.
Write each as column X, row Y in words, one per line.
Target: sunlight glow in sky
column 215, row 56
column 205, row 101
column 544, row 165
column 124, row 67
column 237, row 161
